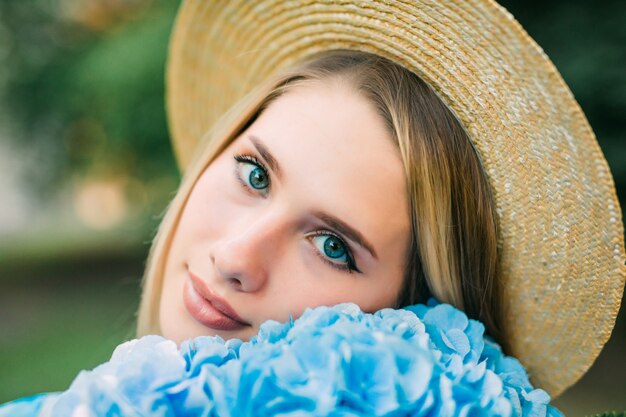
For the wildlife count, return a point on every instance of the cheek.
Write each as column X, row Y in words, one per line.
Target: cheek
column 317, row 291
column 300, row 281
column 210, row 204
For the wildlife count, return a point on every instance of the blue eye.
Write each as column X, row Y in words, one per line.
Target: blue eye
column 331, row 246
column 252, row 173
column 256, row 176
column 334, row 251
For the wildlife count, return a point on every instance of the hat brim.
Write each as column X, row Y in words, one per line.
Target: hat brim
column 561, row 236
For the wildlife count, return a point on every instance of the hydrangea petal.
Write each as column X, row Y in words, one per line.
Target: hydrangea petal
column 458, row 341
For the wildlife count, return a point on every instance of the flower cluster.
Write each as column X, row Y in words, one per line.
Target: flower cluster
column 426, row 360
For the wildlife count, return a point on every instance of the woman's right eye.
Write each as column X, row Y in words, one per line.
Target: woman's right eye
column 252, row 174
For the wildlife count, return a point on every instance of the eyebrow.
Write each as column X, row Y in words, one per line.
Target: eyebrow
column 334, row 222
column 266, row 155
column 346, row 230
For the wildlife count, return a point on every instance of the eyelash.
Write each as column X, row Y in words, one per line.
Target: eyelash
column 349, row 267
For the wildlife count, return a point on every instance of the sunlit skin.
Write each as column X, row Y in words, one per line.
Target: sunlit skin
column 265, row 249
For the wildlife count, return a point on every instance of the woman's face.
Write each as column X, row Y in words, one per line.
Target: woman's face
column 307, row 207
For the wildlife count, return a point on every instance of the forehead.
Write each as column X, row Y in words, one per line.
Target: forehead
column 337, row 155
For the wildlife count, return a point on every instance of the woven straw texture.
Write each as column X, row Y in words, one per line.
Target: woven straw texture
column 561, row 235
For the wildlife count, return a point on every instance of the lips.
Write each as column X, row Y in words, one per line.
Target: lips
column 208, row 308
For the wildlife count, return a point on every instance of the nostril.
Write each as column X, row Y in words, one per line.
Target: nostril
column 235, row 283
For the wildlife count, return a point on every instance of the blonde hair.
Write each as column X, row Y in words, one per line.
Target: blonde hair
column 453, row 254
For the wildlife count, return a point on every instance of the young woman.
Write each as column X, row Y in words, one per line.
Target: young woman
column 383, row 154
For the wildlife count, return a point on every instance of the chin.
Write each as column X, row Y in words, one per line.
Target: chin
column 179, row 328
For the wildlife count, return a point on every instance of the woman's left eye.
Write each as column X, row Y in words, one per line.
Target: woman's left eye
column 252, row 173
column 334, row 251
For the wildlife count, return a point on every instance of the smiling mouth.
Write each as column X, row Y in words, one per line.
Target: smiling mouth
column 208, row 308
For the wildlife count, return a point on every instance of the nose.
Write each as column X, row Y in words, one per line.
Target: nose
column 244, row 256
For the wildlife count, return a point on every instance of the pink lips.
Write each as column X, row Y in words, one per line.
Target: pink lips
column 208, row 308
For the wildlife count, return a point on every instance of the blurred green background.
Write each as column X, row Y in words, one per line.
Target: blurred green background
column 86, row 171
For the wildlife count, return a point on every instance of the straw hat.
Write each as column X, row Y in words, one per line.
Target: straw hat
column 561, row 238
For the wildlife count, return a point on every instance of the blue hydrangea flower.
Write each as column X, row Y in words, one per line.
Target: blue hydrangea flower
column 425, row 360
